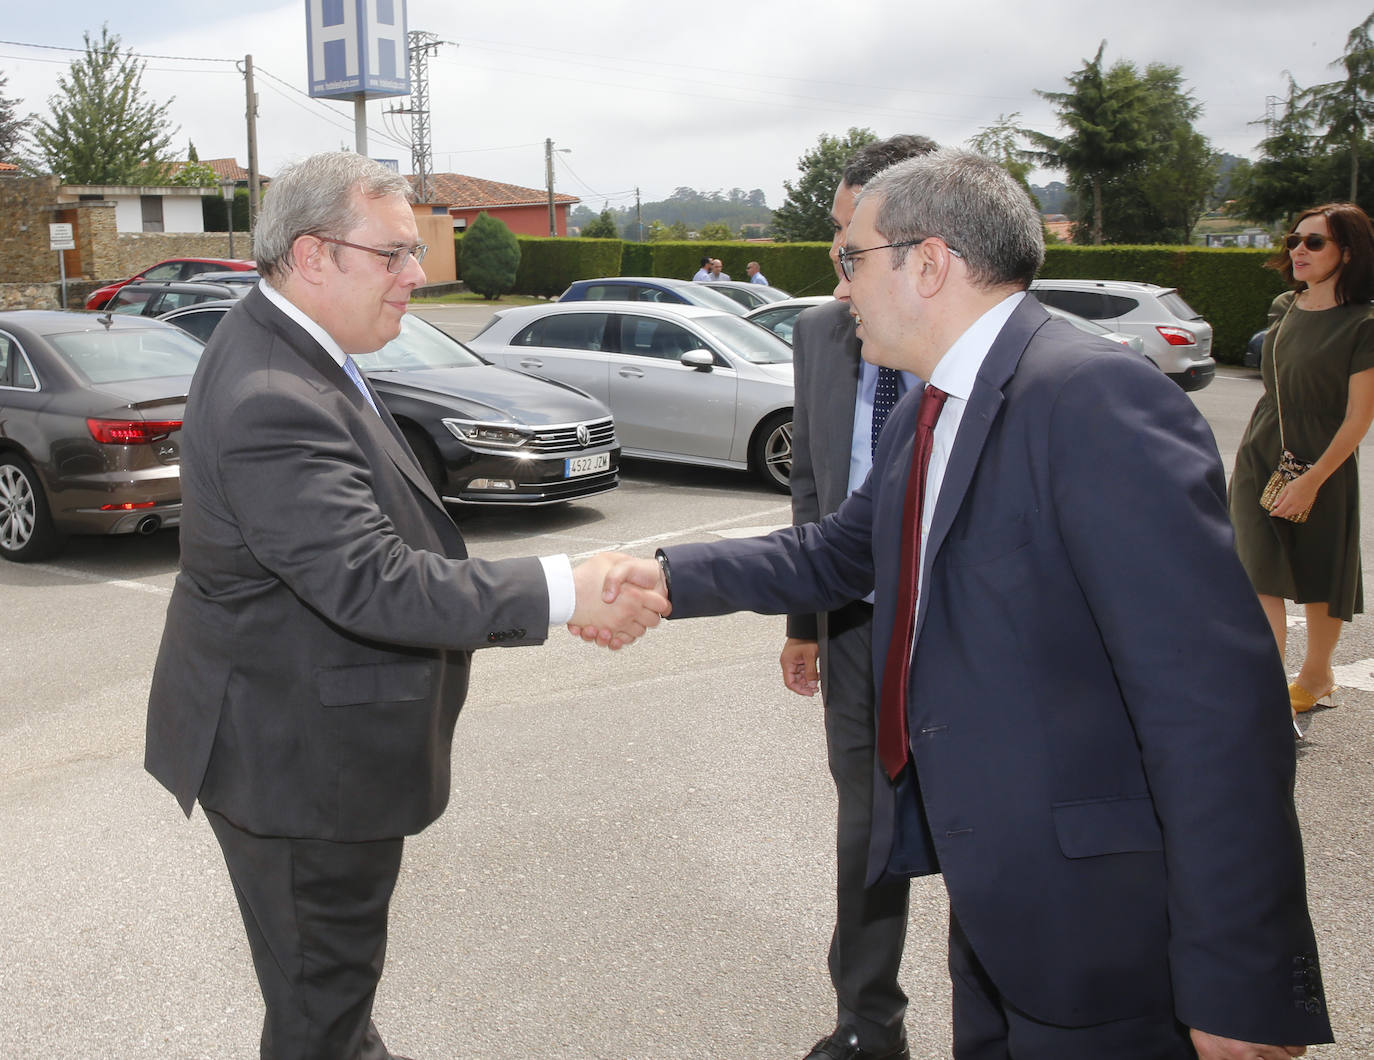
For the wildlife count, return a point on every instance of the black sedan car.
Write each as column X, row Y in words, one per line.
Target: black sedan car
column 90, row 421
column 483, row 434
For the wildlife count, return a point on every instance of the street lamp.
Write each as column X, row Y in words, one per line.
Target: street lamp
column 228, row 187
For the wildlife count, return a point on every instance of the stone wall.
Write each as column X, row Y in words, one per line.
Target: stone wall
column 31, row 296
column 24, row 253
column 138, row 250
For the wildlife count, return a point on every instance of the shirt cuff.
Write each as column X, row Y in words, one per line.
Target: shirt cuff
column 562, row 592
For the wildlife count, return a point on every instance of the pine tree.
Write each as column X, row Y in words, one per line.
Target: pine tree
column 11, row 127
column 489, row 257
column 601, row 227
column 103, row 128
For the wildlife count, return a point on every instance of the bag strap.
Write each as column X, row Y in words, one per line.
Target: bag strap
column 1274, row 356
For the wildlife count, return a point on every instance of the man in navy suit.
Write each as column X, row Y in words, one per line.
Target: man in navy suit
column 1097, row 753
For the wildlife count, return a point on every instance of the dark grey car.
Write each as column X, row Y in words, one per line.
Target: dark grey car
column 90, row 425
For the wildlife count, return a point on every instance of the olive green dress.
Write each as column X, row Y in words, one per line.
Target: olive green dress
column 1315, row 354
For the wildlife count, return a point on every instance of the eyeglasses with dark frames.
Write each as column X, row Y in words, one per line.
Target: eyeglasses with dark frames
column 395, row 259
column 847, row 256
column 1314, row 241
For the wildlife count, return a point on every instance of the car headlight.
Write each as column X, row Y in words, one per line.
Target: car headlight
column 489, row 435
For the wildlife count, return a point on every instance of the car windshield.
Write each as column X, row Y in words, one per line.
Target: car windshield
column 120, row 355
column 713, row 299
column 419, row 345
column 746, row 339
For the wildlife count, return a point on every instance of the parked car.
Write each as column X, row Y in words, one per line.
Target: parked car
column 1254, row 349
column 483, row 435
column 171, row 270
column 685, row 383
column 649, row 289
column 1132, row 342
column 154, row 299
column 90, row 427
column 781, row 317
column 1176, row 337
column 749, row 295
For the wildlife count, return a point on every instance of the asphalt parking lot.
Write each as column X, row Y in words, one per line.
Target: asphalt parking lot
column 637, row 859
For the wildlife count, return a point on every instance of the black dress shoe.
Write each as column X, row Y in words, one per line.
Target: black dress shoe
column 844, row 1045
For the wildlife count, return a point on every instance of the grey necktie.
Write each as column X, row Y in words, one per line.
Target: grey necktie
column 351, row 369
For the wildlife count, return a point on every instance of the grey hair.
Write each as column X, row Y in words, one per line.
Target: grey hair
column 971, row 203
column 315, row 197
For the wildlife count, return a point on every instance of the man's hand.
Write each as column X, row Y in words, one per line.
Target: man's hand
column 618, row 598
column 1210, row 1047
column 800, row 671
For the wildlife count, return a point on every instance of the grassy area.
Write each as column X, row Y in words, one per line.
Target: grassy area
column 469, row 298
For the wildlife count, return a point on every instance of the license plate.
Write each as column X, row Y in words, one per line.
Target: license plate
column 586, row 465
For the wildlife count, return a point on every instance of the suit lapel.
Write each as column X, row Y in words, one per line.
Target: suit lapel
column 984, row 404
column 380, row 424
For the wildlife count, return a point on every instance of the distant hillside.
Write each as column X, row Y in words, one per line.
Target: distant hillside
column 693, row 208
column 1054, row 197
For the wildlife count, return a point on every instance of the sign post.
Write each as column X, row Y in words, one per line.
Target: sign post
column 60, row 238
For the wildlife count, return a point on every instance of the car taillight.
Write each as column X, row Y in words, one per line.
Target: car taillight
column 1177, row 336
column 131, row 432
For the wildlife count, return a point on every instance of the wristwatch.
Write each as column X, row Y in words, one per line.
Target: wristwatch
column 665, row 573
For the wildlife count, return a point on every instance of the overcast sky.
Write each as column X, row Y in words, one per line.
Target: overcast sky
column 710, row 96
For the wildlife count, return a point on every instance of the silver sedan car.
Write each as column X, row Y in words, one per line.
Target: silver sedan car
column 684, row 383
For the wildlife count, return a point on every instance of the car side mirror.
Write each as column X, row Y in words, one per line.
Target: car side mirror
column 701, row 360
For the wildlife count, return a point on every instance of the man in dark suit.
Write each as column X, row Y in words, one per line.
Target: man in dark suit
column 318, row 638
column 842, row 402
column 1083, row 723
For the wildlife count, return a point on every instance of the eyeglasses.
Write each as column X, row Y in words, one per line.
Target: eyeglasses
column 1314, row 241
column 847, row 256
column 395, row 259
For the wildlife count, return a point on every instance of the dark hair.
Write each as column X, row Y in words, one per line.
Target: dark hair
column 1351, row 231
column 871, row 159
column 705, row 261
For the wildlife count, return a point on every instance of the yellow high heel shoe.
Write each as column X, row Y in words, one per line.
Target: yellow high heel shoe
column 1302, row 700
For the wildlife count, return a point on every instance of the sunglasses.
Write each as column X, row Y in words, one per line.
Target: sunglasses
column 1313, row 241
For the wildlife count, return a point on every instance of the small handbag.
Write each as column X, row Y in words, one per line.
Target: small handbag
column 1290, row 467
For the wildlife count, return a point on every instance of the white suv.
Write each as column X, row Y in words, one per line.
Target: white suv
column 1176, row 337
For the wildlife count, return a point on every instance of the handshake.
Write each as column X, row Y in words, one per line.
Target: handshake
column 618, row 599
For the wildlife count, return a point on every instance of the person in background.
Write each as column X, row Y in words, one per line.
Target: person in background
column 703, row 273
column 835, row 428
column 716, row 267
column 755, row 276
column 1318, row 401
column 319, row 635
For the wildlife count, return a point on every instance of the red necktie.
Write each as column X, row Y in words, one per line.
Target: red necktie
column 893, row 741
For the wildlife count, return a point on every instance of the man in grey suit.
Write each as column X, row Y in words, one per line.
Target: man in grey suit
column 318, row 638
column 838, row 415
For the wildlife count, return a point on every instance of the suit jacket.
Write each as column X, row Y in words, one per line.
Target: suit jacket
column 825, row 367
column 1097, row 711
column 318, row 638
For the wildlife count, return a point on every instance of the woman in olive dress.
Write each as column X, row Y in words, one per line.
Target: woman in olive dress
column 1318, row 367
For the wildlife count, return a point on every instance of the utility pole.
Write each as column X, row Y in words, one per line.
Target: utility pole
column 254, row 182
column 548, row 176
column 422, row 44
column 639, row 216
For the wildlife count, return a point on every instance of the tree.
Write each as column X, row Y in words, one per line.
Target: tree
column 715, row 232
column 103, row 129
column 11, row 127
column 489, row 257
column 603, row 227
column 1105, row 116
column 1346, row 107
column 1283, row 182
column 1161, row 197
column 1001, row 142
column 805, row 215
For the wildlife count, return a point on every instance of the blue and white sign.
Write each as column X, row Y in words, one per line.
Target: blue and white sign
column 357, row 46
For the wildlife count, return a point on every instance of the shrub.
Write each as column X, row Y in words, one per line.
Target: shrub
column 490, row 257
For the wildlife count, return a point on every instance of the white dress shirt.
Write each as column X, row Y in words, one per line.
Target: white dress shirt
column 557, row 569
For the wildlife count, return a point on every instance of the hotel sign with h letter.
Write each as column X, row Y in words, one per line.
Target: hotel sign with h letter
column 357, row 47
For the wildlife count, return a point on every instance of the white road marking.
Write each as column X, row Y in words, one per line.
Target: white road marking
column 95, row 576
column 1356, row 675
column 687, row 531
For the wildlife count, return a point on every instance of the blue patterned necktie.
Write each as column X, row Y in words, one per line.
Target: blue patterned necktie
column 884, row 400
column 351, row 370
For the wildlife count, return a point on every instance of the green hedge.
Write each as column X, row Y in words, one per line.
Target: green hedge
column 1229, row 286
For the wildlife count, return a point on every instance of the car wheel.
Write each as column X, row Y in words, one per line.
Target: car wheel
column 772, row 451
column 427, row 456
column 26, row 528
